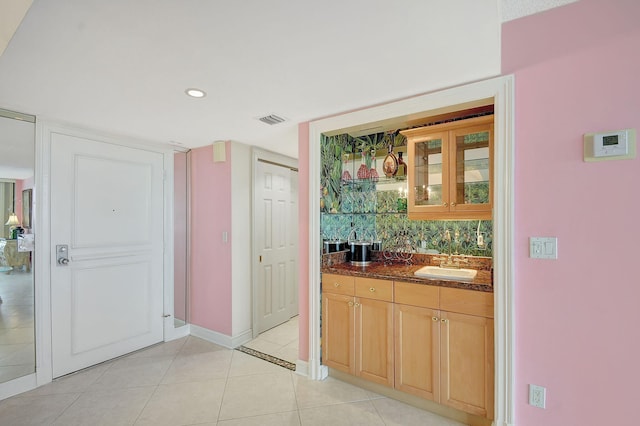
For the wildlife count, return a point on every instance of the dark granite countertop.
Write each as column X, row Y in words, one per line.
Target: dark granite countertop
column 403, row 272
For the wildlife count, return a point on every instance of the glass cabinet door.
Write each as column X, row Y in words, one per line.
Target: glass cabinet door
column 471, row 176
column 428, row 172
column 450, row 170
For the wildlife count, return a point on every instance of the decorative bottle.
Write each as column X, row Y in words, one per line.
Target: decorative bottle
column 402, row 167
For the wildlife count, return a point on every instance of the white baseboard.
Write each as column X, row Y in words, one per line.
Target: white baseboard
column 242, row 338
column 16, row 386
column 177, row 333
column 230, row 342
column 302, row 368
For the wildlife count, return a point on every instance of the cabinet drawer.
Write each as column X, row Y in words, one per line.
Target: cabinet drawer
column 469, row 302
column 426, row 296
column 374, row 289
column 341, row 284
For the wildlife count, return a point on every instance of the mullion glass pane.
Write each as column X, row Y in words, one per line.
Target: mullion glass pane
column 472, row 168
column 428, row 173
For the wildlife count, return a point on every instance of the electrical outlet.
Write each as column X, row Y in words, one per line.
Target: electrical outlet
column 537, row 396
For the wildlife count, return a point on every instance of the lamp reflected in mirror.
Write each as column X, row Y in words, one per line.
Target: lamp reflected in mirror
column 14, row 226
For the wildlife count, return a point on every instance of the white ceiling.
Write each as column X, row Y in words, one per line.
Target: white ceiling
column 122, row 66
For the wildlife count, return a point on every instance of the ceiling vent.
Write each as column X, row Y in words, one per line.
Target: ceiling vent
column 271, row 119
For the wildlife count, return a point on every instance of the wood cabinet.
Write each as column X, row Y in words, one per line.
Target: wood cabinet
column 450, row 170
column 357, row 327
column 417, row 350
column 466, row 363
column 429, row 341
column 442, row 355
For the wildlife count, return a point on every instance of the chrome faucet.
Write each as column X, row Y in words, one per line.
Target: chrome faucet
column 449, row 261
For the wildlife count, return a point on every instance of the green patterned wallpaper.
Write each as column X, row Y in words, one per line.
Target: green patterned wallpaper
column 368, row 208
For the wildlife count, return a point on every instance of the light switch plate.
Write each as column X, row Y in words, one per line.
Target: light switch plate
column 543, row 247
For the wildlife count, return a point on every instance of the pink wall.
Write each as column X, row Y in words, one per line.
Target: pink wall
column 577, row 70
column 17, row 199
column 303, row 240
column 210, row 257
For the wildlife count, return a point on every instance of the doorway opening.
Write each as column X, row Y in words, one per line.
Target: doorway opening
column 498, row 91
column 275, row 252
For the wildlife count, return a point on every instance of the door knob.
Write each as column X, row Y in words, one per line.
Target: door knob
column 63, row 261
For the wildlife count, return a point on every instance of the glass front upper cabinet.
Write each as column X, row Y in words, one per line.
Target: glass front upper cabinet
column 451, row 170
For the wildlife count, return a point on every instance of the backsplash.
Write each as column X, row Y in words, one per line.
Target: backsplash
column 360, row 209
column 395, row 230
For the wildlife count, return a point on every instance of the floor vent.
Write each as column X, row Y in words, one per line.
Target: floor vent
column 271, row 119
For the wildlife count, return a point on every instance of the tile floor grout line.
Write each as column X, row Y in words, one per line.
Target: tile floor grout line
column 159, row 383
column 224, row 389
column 295, row 396
column 67, row 407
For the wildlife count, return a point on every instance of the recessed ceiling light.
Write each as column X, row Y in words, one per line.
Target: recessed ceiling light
column 195, row 93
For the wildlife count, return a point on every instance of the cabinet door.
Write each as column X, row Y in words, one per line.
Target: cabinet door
column 338, row 332
column 466, row 361
column 374, row 340
column 417, row 351
column 428, row 173
column 470, row 174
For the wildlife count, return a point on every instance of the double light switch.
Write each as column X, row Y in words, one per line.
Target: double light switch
column 543, row 247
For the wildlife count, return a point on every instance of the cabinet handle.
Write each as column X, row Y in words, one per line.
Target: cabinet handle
column 443, row 320
column 350, row 304
column 445, row 204
column 434, row 318
column 372, row 289
column 453, row 204
column 336, row 285
column 356, row 304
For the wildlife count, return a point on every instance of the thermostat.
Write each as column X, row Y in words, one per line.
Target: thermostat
column 610, row 145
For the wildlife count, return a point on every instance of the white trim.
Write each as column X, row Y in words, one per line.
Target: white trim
column 16, row 386
column 302, row 368
column 503, row 246
column 41, row 267
column 168, row 307
column 178, row 332
column 230, row 342
column 500, row 90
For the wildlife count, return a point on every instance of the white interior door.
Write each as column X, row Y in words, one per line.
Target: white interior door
column 107, row 207
column 276, row 237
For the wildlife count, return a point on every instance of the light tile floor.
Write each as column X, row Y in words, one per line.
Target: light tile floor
column 280, row 341
column 194, row 382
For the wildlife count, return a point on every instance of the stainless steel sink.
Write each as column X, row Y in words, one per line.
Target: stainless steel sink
column 446, row 273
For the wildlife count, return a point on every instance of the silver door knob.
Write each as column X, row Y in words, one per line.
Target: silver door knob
column 63, row 261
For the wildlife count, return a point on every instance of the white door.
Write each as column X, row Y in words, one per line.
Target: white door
column 107, row 207
column 276, row 237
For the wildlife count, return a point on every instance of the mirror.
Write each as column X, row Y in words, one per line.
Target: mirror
column 17, row 334
column 180, row 236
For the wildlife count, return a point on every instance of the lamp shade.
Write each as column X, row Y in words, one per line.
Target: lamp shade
column 13, row 220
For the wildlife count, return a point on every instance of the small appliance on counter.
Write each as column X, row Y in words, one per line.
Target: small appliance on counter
column 360, row 252
column 332, row 246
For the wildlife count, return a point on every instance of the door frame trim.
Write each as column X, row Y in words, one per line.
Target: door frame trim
column 42, row 270
column 499, row 90
column 261, row 155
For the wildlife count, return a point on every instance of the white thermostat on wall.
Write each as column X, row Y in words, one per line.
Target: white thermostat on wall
column 614, row 145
